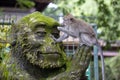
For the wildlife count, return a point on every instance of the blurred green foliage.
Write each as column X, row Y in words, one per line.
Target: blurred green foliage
column 4, row 33
column 114, row 68
column 25, row 4
column 108, row 71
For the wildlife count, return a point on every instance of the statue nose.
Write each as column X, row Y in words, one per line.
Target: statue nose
column 50, row 49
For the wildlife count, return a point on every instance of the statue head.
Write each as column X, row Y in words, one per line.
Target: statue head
column 33, row 44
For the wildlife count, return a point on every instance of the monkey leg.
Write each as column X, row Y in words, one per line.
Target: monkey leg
column 86, row 39
column 80, row 41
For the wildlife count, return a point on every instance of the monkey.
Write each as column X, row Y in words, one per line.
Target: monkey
column 78, row 28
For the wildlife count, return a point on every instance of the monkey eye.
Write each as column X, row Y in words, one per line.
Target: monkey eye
column 71, row 19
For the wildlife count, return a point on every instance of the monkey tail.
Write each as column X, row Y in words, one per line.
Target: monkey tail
column 102, row 61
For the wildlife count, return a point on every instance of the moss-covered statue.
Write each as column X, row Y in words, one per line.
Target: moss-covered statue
column 32, row 48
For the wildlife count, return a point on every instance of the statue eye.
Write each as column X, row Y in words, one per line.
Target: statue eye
column 40, row 34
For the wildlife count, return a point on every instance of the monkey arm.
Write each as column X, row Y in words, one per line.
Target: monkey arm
column 67, row 31
column 61, row 38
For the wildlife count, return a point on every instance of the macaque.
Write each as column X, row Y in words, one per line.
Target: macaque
column 82, row 30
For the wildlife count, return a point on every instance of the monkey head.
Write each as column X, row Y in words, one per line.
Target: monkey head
column 68, row 20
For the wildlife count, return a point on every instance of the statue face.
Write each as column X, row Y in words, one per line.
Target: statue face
column 33, row 36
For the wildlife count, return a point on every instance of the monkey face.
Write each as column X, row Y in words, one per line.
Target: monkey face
column 68, row 20
column 35, row 44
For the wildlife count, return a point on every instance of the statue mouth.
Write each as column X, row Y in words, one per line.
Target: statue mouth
column 53, row 56
column 50, row 60
column 46, row 59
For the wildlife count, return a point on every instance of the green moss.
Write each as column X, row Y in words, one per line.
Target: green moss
column 38, row 18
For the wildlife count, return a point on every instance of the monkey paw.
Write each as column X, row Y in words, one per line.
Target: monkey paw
column 60, row 28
